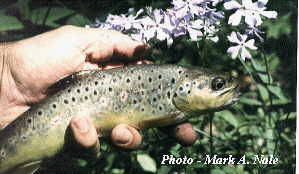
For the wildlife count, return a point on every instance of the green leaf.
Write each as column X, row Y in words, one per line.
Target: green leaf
column 78, row 20
column 250, row 101
column 147, row 163
column 230, row 118
column 49, row 16
column 257, row 66
column 164, row 170
column 278, row 92
column 291, row 115
column 263, row 92
column 278, row 27
column 23, row 6
column 117, row 171
column 264, row 78
column 9, row 23
column 217, row 171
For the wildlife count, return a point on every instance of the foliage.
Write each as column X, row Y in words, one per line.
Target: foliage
column 262, row 123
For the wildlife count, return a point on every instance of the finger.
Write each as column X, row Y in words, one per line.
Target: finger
column 184, row 133
column 126, row 136
column 111, row 45
column 85, row 133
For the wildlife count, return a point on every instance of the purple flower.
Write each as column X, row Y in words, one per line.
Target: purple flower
column 155, row 26
column 187, row 9
column 124, row 21
column 241, row 47
column 251, row 11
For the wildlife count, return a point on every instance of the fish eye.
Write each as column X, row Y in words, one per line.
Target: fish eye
column 218, row 83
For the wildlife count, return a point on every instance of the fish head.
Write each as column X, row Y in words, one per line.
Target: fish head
column 202, row 91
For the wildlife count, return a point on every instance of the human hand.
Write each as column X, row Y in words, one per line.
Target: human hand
column 48, row 57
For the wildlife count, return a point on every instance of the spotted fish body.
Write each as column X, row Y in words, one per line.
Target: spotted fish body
column 142, row 96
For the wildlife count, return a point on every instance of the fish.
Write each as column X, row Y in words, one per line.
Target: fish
column 143, row 96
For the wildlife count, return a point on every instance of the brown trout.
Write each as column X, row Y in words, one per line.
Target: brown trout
column 142, row 96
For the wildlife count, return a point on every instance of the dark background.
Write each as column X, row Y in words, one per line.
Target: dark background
column 264, row 122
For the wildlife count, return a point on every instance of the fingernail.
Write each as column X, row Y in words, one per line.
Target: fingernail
column 123, row 137
column 81, row 124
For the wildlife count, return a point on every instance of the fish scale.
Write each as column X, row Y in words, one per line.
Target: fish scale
column 142, row 96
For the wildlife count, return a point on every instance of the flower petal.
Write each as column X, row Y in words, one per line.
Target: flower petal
column 233, row 37
column 233, row 51
column 235, row 18
column 247, row 3
column 244, row 53
column 194, row 34
column 250, row 44
column 232, row 5
column 250, row 19
column 269, row 14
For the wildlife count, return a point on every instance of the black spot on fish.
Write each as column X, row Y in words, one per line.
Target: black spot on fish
column 39, row 113
column 96, row 82
column 69, row 90
column 114, row 80
column 139, row 77
column 180, row 71
column 173, row 80
column 181, row 88
column 95, row 92
column 142, row 109
column 29, row 120
column 128, row 80
column 85, row 97
column 73, row 99
column 110, row 89
column 102, row 83
column 78, row 90
column 175, row 95
column 160, row 86
column 142, row 92
column 186, row 75
column 154, row 99
column 54, row 106
column 135, row 101
column 86, row 89
column 160, row 76
column 189, row 92
column 66, row 101
column 168, row 94
column 150, row 79
column 160, row 108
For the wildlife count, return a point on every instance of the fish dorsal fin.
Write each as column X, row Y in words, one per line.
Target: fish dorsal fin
column 66, row 81
column 28, row 168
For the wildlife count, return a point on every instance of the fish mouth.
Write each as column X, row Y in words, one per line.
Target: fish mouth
column 235, row 96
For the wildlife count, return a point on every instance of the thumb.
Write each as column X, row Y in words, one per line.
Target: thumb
column 84, row 133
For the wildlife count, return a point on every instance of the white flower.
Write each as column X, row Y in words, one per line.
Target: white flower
column 155, row 27
column 240, row 48
column 251, row 10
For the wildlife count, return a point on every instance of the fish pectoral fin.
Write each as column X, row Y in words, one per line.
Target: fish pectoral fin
column 28, row 168
column 160, row 121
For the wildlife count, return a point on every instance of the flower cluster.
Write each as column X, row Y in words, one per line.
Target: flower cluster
column 196, row 19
